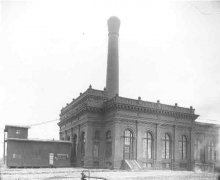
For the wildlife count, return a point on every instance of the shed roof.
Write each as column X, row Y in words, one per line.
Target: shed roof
column 15, row 126
column 37, row 140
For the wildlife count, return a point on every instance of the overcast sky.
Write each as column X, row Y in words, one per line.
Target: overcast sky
column 50, row 51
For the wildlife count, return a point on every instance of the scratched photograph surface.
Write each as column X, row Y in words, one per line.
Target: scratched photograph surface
column 103, row 89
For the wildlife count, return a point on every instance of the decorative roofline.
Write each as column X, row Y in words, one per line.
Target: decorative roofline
column 88, row 92
column 82, row 104
column 147, row 104
column 149, row 107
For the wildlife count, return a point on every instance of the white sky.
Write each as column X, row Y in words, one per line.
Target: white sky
column 50, row 51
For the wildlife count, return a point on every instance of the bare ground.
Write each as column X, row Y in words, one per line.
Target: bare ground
column 75, row 173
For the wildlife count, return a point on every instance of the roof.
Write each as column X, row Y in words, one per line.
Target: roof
column 98, row 101
column 15, row 126
column 37, row 140
column 139, row 102
column 205, row 124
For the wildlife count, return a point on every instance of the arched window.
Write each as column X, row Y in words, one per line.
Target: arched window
column 148, row 145
column 128, row 144
column 166, row 144
column 183, row 147
column 108, row 139
column 83, row 142
column 211, row 151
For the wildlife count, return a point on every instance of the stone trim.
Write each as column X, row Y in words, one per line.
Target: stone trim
column 118, row 103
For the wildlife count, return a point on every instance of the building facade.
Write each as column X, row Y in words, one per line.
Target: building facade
column 109, row 131
column 105, row 132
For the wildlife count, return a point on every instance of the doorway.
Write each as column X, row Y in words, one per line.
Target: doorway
column 128, row 145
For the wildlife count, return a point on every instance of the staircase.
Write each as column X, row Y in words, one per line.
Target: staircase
column 131, row 165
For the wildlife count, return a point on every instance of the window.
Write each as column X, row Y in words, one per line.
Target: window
column 83, row 142
column 166, row 144
column 108, row 150
column 197, row 149
column 147, row 145
column 182, row 147
column 62, row 156
column 18, row 132
column 128, row 137
column 211, row 151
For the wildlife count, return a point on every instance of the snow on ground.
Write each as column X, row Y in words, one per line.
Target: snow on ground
column 75, row 173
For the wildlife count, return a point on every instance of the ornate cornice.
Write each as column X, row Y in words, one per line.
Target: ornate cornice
column 89, row 93
column 118, row 103
column 97, row 101
column 77, row 111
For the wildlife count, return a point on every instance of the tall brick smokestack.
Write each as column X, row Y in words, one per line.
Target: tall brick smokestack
column 112, row 80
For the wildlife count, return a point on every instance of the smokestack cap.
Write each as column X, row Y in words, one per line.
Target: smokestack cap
column 113, row 25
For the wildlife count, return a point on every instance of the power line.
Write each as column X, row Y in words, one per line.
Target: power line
column 45, row 122
column 37, row 124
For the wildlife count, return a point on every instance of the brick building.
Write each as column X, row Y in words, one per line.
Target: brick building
column 109, row 131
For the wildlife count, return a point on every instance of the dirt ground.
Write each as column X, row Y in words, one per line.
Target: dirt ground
column 75, row 173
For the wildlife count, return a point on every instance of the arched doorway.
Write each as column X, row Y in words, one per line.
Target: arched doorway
column 128, row 144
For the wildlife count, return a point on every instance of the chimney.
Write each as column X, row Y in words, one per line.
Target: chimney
column 112, row 80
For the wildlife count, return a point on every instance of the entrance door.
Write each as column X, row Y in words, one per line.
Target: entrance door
column 128, row 145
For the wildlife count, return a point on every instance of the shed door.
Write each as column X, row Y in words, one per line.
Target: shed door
column 51, row 158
